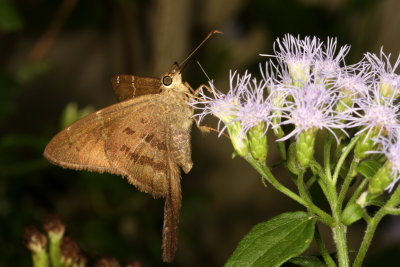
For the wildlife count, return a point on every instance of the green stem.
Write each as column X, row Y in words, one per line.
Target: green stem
column 40, row 259
column 266, row 174
column 327, row 156
column 342, row 158
column 54, row 250
column 322, row 249
column 346, row 184
column 339, row 229
column 373, row 223
column 358, row 191
column 369, row 234
column 339, row 236
column 393, row 211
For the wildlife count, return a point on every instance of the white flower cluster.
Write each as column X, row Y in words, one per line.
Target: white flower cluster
column 307, row 84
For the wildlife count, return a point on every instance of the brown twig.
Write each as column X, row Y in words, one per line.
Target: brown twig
column 41, row 47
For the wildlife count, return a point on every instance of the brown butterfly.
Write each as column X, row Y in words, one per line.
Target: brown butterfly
column 145, row 138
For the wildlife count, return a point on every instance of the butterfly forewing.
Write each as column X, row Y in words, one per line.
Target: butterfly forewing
column 128, row 86
column 82, row 144
column 138, row 147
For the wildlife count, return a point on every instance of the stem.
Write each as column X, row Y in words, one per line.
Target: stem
column 266, row 174
column 339, row 164
column 322, row 249
column 373, row 223
column 339, row 235
column 339, row 229
column 346, row 184
column 358, row 191
column 369, row 234
column 327, row 156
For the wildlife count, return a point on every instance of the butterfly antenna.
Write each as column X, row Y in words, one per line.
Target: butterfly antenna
column 183, row 63
column 202, row 69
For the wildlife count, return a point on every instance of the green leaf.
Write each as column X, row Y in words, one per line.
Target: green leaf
column 273, row 242
column 368, row 167
column 307, row 261
column 10, row 20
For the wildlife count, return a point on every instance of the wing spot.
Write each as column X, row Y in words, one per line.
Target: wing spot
column 128, row 131
column 144, row 160
column 149, row 138
column 124, row 148
column 144, row 121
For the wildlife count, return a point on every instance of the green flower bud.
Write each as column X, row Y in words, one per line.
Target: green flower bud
column 239, row 141
column 352, row 213
column 365, row 144
column 305, row 146
column 36, row 242
column 299, row 71
column 380, row 180
column 55, row 229
column 258, row 142
column 292, row 163
column 386, row 89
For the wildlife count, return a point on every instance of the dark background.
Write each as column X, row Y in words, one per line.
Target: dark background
column 56, row 52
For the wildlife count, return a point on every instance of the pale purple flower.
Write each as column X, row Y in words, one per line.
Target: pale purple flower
column 312, row 107
column 326, row 63
column 374, row 112
column 354, row 80
column 384, row 70
column 255, row 108
column 223, row 106
column 297, row 55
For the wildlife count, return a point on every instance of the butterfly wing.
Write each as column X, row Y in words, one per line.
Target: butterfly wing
column 81, row 146
column 140, row 147
column 128, row 86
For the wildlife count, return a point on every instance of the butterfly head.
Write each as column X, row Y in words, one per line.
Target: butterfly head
column 172, row 80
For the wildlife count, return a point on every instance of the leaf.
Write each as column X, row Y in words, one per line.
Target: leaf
column 10, row 19
column 307, row 261
column 368, row 167
column 273, row 242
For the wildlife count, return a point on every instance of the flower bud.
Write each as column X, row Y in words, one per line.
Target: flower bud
column 55, row 229
column 36, row 242
column 71, row 254
column 258, row 142
column 364, row 144
column 239, row 141
column 299, row 71
column 292, row 163
column 305, row 146
column 386, row 89
column 380, row 181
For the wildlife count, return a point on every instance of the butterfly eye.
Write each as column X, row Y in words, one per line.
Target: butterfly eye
column 167, row 80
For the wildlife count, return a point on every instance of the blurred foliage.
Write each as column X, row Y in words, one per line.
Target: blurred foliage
column 81, row 44
column 10, row 19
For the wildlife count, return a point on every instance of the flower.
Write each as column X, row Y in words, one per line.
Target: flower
column 326, row 64
column 297, row 54
column 388, row 80
column 312, row 108
column 223, row 106
column 255, row 109
column 374, row 113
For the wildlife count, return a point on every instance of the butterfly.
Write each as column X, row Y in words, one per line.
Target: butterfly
column 145, row 138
